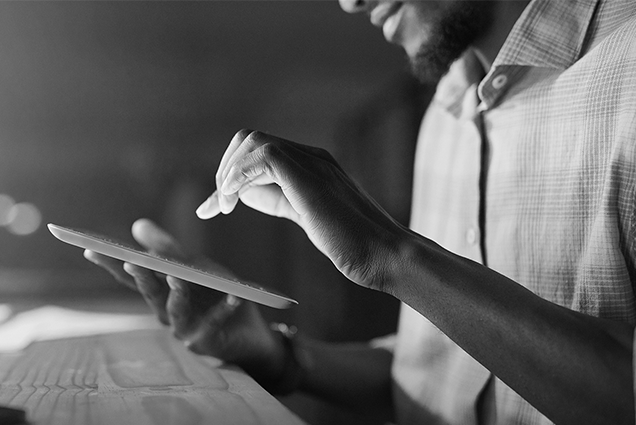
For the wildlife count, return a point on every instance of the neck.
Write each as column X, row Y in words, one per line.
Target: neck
column 505, row 15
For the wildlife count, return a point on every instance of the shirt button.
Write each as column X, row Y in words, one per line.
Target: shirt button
column 471, row 236
column 499, row 81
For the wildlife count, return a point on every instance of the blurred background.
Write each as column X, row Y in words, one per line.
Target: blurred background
column 111, row 111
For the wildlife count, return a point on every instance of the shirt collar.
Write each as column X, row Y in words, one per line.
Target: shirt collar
column 464, row 74
column 549, row 34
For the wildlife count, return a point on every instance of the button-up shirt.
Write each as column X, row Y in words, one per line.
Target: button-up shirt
column 531, row 170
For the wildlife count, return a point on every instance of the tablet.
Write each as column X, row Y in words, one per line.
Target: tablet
column 189, row 272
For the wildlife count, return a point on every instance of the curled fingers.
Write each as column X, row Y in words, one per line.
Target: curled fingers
column 179, row 307
column 212, row 324
column 237, row 144
column 236, row 141
column 261, row 163
column 152, row 289
column 112, row 266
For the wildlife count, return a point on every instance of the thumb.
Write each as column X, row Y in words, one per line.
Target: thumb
column 155, row 239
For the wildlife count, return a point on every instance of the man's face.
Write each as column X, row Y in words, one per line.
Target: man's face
column 433, row 33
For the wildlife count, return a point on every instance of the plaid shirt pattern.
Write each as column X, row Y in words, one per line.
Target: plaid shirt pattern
column 557, row 112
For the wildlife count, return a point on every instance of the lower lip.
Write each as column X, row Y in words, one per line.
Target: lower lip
column 391, row 25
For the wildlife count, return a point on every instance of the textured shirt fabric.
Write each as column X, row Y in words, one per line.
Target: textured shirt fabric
column 532, row 170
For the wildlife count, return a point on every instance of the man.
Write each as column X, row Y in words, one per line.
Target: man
column 517, row 275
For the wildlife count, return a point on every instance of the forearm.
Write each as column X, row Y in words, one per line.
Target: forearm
column 353, row 375
column 572, row 367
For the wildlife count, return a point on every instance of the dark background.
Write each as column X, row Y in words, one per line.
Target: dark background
column 111, row 111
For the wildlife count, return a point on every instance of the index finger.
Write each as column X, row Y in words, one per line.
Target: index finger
column 113, row 266
column 236, row 141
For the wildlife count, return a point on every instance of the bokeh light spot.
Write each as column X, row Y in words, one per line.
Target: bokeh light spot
column 6, row 203
column 24, row 219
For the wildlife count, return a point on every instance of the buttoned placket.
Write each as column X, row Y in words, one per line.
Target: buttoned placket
column 483, row 182
column 481, row 406
column 490, row 92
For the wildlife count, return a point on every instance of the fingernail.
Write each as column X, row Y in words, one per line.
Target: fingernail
column 89, row 256
column 227, row 203
column 129, row 268
column 208, row 208
column 176, row 286
column 171, row 283
column 203, row 207
column 232, row 300
column 223, row 205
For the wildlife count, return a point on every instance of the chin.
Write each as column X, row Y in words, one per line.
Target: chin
column 428, row 71
column 448, row 38
column 431, row 60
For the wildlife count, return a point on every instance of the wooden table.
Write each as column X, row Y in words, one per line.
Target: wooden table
column 137, row 377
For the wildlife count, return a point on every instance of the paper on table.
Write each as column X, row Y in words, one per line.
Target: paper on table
column 52, row 322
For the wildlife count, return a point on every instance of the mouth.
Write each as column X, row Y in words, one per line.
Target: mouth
column 385, row 15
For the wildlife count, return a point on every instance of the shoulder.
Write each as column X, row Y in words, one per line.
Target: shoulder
column 612, row 60
column 621, row 40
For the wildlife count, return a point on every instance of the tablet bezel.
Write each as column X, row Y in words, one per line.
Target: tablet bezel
column 189, row 272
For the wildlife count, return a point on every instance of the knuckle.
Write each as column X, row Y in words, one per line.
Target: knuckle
column 253, row 137
column 323, row 154
column 243, row 133
column 270, row 150
column 327, row 155
column 193, row 347
column 270, row 156
column 255, row 134
column 163, row 319
column 178, row 317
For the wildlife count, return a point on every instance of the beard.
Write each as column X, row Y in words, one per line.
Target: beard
column 452, row 33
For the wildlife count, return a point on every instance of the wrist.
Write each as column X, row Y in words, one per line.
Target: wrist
column 428, row 275
column 292, row 369
column 405, row 246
